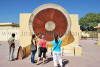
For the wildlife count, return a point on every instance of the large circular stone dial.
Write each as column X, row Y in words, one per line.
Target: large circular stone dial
column 48, row 20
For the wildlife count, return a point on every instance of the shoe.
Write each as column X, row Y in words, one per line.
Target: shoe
column 44, row 62
column 38, row 63
column 11, row 60
column 61, row 66
column 34, row 62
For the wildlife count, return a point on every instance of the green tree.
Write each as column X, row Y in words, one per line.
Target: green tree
column 90, row 19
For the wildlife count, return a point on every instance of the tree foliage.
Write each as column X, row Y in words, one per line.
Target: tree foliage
column 89, row 20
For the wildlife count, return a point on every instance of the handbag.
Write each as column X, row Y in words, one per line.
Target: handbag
column 32, row 47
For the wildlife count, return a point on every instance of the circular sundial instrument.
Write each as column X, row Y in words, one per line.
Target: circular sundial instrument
column 49, row 19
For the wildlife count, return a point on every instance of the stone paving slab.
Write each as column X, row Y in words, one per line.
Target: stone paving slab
column 89, row 58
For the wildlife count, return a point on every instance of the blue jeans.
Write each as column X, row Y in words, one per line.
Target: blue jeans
column 32, row 56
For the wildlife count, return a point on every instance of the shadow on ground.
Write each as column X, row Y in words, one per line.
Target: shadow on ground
column 65, row 61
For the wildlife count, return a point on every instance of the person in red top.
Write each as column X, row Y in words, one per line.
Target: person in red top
column 42, row 49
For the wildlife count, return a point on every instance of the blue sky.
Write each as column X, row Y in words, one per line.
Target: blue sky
column 11, row 9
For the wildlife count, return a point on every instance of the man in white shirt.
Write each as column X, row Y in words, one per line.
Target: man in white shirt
column 11, row 42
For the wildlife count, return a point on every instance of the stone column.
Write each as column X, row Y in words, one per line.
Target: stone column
column 98, row 34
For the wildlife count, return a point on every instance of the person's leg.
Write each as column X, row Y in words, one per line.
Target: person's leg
column 32, row 56
column 9, row 56
column 44, row 55
column 13, row 49
column 39, row 56
column 55, row 59
column 39, row 53
column 12, row 52
column 59, row 58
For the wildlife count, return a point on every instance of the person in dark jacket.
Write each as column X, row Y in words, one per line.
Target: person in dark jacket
column 33, row 48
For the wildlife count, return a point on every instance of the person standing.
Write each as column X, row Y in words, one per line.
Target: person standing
column 33, row 48
column 57, row 50
column 42, row 49
column 11, row 42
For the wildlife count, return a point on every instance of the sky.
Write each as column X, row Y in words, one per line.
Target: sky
column 10, row 9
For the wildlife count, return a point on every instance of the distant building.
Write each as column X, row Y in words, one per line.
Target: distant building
column 6, row 29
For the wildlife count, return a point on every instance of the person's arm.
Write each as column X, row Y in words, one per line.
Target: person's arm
column 46, row 46
column 60, row 42
column 37, row 41
column 9, row 43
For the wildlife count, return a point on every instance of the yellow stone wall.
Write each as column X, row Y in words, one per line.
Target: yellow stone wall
column 25, row 34
column 76, row 33
column 75, row 28
column 98, row 36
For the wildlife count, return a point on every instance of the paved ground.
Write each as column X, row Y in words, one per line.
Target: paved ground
column 90, row 58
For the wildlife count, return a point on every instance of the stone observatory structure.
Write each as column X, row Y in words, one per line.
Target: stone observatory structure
column 49, row 19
